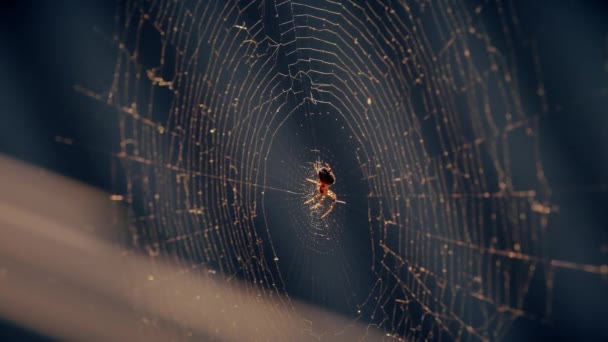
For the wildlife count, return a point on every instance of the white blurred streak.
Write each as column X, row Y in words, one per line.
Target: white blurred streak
column 64, row 274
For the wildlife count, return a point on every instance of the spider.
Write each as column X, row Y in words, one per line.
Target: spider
column 326, row 179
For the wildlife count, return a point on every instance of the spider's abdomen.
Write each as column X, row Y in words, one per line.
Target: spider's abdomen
column 326, row 176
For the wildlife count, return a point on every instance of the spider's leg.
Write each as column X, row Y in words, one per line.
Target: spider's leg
column 312, row 199
column 312, row 180
column 334, row 199
column 318, row 204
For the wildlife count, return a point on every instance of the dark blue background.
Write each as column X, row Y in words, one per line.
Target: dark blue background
column 49, row 47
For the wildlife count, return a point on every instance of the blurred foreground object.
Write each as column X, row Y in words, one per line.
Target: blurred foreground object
column 66, row 274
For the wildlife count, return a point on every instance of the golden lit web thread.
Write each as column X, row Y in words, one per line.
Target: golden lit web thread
column 432, row 106
column 428, row 202
column 193, row 183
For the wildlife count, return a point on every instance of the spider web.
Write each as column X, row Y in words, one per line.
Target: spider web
column 418, row 107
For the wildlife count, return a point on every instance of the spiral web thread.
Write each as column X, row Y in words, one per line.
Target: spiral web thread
column 427, row 96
